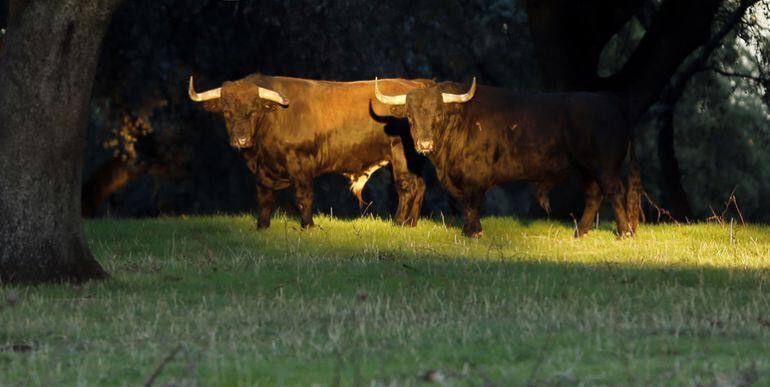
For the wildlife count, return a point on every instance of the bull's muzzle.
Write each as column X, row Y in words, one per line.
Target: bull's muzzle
column 241, row 142
column 424, row 147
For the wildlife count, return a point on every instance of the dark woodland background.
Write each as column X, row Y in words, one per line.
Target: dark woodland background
column 151, row 151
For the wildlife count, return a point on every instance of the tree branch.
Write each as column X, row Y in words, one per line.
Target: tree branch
column 676, row 87
column 734, row 74
column 647, row 13
column 667, row 43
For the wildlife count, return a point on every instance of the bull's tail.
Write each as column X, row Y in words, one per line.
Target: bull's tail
column 357, row 184
column 543, row 191
column 635, row 191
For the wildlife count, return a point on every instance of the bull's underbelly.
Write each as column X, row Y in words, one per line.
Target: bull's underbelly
column 280, row 175
column 485, row 170
column 523, row 169
column 358, row 179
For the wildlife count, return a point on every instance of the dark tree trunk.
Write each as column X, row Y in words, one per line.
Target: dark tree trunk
column 47, row 68
column 569, row 37
column 674, row 198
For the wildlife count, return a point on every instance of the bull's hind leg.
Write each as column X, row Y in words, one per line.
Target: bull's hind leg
column 593, row 197
column 304, row 197
column 614, row 191
column 266, row 199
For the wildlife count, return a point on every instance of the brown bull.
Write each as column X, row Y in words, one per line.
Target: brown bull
column 486, row 137
column 292, row 130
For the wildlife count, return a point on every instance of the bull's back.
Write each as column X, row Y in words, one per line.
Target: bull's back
column 513, row 137
column 598, row 130
column 507, row 136
column 332, row 124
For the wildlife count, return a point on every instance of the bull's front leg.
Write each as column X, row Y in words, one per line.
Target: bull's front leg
column 407, row 173
column 304, row 197
column 471, row 204
column 411, row 191
column 415, row 201
column 266, row 199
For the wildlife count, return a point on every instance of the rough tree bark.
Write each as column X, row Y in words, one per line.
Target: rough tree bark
column 47, row 67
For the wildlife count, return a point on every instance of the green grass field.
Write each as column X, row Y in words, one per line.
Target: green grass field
column 212, row 301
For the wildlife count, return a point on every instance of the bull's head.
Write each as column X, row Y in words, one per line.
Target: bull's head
column 243, row 104
column 428, row 110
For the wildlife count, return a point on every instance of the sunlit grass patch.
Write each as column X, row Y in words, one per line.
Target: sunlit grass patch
column 702, row 245
column 363, row 301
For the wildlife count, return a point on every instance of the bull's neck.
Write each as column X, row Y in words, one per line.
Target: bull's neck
column 259, row 124
column 446, row 139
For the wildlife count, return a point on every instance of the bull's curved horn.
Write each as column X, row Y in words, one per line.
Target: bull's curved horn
column 205, row 96
column 388, row 99
column 272, row 95
column 460, row 98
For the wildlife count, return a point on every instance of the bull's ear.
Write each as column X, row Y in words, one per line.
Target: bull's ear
column 268, row 106
column 454, row 108
column 397, row 111
column 213, row 105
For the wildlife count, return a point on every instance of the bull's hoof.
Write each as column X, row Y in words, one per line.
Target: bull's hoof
column 306, row 226
column 625, row 235
column 406, row 223
column 474, row 234
column 580, row 233
column 263, row 225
